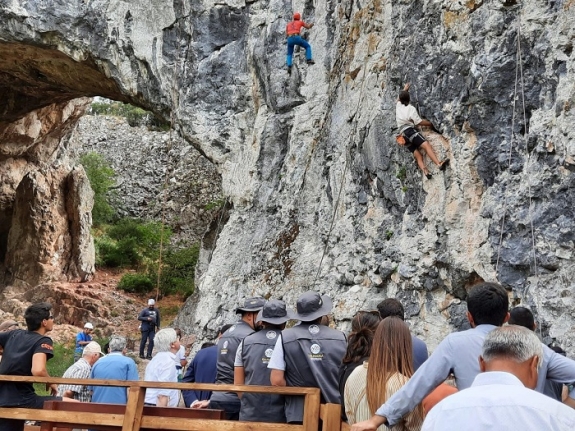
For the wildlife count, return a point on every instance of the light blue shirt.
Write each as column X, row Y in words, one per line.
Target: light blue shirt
column 459, row 353
column 499, row 401
column 113, row 366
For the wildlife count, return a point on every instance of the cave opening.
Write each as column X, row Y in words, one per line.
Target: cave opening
column 46, row 92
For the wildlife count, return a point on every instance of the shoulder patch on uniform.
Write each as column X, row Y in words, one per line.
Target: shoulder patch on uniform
column 270, row 335
column 313, row 329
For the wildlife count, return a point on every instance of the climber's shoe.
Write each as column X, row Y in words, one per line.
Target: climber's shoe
column 427, row 175
column 310, row 62
column 289, row 70
column 444, row 165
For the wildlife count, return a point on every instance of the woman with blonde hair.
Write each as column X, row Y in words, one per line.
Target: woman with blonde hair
column 389, row 367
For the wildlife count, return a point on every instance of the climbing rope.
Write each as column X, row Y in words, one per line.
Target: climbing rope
column 175, row 104
column 519, row 80
column 163, row 208
column 347, row 158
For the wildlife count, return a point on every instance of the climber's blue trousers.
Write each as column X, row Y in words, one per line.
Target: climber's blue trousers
column 297, row 40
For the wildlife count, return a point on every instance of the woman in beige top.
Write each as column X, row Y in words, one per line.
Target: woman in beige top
column 390, row 367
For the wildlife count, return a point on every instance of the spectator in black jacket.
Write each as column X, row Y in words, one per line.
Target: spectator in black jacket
column 150, row 318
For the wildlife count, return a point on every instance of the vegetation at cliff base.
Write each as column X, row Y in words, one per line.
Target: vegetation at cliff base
column 133, row 243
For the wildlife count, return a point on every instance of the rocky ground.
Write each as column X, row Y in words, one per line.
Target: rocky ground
column 111, row 311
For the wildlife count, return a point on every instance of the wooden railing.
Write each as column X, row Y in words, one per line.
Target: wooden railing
column 134, row 419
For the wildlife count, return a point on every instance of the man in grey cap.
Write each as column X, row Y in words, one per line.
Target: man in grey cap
column 227, row 347
column 251, row 365
column 308, row 355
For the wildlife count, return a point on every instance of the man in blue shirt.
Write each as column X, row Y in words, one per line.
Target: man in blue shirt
column 458, row 353
column 203, row 369
column 114, row 366
column 82, row 340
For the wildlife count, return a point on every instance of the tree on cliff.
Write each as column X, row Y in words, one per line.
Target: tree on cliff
column 102, row 178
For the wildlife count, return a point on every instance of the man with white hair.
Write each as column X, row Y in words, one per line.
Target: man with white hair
column 502, row 396
column 114, row 366
column 161, row 369
column 81, row 370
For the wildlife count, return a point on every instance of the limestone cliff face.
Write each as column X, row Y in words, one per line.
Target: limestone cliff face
column 320, row 195
column 157, row 174
column 45, row 202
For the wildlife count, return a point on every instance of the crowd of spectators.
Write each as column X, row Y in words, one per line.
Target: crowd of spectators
column 495, row 375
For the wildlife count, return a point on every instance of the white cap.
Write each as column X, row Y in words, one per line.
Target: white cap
column 151, row 302
column 93, row 347
column 89, row 326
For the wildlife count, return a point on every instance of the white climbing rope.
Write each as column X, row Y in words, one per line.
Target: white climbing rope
column 519, row 80
column 347, row 158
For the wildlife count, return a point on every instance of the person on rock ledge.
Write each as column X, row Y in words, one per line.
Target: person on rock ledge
column 293, row 29
column 407, row 119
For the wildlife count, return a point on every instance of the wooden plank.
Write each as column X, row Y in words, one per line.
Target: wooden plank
column 206, row 424
column 61, row 416
column 134, row 408
column 311, row 411
column 330, row 415
column 176, row 412
column 147, row 411
column 345, row 426
column 282, row 390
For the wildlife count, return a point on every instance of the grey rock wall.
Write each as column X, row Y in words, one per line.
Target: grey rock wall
column 298, row 152
column 158, row 174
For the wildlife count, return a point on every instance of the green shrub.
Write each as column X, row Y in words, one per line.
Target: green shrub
column 136, row 283
column 143, row 237
column 134, row 115
column 179, row 270
column 114, row 254
column 214, row 204
column 102, row 178
column 401, row 174
column 130, row 243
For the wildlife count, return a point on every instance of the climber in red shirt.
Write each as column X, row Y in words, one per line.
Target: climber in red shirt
column 293, row 29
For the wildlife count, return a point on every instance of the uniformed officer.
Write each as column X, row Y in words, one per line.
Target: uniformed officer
column 251, row 366
column 227, row 347
column 308, row 355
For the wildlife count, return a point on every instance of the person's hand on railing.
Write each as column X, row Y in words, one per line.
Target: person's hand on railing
column 200, row 404
column 52, row 388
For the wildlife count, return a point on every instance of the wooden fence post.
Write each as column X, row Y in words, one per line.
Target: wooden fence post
column 134, row 408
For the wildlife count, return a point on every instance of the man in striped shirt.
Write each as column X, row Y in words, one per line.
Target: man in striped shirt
column 81, row 370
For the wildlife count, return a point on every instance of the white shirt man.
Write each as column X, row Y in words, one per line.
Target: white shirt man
column 502, row 397
column 161, row 369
